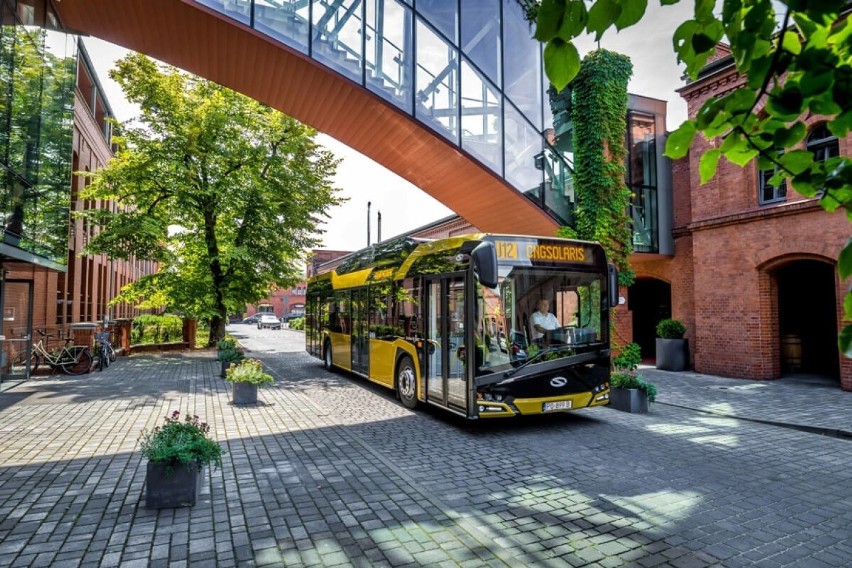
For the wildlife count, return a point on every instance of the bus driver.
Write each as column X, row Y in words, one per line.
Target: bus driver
column 543, row 321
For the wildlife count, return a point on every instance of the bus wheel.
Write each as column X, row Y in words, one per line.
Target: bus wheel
column 406, row 382
column 326, row 356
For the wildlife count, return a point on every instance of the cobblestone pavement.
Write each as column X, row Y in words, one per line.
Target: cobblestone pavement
column 330, row 470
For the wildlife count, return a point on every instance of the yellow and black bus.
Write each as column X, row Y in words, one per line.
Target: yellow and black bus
column 449, row 322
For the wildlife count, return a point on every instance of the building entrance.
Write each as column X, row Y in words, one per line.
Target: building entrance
column 807, row 318
column 650, row 300
column 15, row 331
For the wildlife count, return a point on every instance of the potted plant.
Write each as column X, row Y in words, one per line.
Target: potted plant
column 246, row 378
column 672, row 348
column 228, row 357
column 177, row 452
column 629, row 391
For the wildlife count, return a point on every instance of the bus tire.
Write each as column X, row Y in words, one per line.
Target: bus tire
column 326, row 356
column 406, row 382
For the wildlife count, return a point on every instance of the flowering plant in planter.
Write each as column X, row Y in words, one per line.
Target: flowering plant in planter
column 249, row 371
column 180, row 442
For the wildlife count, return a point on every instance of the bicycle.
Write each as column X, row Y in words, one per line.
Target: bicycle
column 72, row 360
column 106, row 352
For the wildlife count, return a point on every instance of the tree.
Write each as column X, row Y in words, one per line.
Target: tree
column 804, row 66
column 223, row 192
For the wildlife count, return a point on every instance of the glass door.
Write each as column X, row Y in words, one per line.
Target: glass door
column 446, row 367
column 360, row 337
column 16, row 331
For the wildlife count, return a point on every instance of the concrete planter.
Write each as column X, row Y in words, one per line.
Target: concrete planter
column 225, row 366
column 672, row 354
column 629, row 400
column 176, row 486
column 244, row 393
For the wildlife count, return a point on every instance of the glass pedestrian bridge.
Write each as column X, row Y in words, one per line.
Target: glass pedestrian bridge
column 468, row 70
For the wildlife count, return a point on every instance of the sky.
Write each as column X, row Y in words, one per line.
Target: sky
column 402, row 205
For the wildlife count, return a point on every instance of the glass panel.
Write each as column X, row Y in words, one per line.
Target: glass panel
column 643, row 154
column 442, row 14
column 481, row 118
column 522, row 79
column 437, row 83
column 768, row 193
column 434, row 338
column 389, row 51
column 523, row 144
column 337, row 36
column 240, row 10
column 285, row 20
column 457, row 377
column 643, row 211
column 558, row 185
column 38, row 69
column 17, row 328
column 480, row 34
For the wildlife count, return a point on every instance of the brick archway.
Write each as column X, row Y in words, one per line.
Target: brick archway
column 771, row 271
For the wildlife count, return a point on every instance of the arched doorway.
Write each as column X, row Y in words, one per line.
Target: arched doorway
column 807, row 318
column 650, row 301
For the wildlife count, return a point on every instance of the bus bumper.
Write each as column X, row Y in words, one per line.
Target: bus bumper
column 532, row 406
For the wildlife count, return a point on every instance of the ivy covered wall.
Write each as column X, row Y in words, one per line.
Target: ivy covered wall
column 599, row 116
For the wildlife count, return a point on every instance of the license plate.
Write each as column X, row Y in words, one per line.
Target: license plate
column 557, row 405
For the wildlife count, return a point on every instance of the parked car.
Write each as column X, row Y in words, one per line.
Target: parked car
column 251, row 319
column 268, row 321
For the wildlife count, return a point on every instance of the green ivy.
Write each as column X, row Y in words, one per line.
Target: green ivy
column 599, row 114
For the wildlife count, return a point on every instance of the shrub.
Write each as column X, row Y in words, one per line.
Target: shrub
column 180, row 442
column 231, row 355
column 226, row 343
column 150, row 328
column 629, row 358
column 670, row 329
column 623, row 380
column 249, row 371
column 297, row 323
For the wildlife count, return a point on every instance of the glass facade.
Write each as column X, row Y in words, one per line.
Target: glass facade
column 467, row 69
column 642, row 180
column 38, row 64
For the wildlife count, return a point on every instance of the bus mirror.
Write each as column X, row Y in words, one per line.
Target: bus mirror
column 612, row 273
column 485, row 263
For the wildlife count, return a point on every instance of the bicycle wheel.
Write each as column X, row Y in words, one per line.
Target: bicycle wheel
column 103, row 358
column 112, row 354
column 105, row 353
column 21, row 361
column 76, row 360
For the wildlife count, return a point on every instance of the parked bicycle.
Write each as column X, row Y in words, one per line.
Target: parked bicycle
column 106, row 352
column 71, row 359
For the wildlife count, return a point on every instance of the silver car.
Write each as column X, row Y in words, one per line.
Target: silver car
column 268, row 321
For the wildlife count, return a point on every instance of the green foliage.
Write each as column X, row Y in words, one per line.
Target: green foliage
column 624, row 380
column 629, row 358
column 150, row 328
column 599, row 114
column 802, row 69
column 226, row 343
column 297, row 323
column 180, row 442
column 224, row 192
column 249, row 371
column 231, row 355
column 670, row 329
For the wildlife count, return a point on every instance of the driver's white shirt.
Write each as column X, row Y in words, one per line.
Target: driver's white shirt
column 547, row 321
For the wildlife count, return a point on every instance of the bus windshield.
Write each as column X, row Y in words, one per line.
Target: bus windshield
column 538, row 314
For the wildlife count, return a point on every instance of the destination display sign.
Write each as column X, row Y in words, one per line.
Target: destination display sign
column 525, row 251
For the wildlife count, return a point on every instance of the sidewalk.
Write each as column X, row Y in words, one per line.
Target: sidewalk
column 808, row 403
column 329, row 471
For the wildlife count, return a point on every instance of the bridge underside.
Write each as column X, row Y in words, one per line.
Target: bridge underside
column 191, row 37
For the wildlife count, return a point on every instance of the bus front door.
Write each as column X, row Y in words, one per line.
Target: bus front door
column 446, row 382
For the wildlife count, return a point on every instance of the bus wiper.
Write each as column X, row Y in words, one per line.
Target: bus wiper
column 536, row 357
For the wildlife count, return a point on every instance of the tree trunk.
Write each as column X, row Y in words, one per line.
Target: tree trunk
column 217, row 322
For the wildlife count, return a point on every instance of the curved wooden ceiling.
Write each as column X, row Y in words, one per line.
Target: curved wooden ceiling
column 200, row 41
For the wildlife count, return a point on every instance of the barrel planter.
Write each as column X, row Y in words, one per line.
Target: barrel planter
column 791, row 353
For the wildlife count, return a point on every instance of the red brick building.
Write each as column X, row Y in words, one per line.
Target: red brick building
column 38, row 298
column 753, row 275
